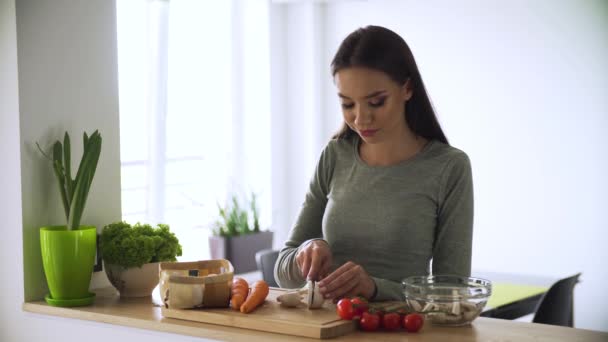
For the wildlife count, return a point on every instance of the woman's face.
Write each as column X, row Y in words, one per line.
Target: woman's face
column 372, row 103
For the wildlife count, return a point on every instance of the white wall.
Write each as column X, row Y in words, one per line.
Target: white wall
column 521, row 87
column 10, row 175
column 67, row 82
column 61, row 77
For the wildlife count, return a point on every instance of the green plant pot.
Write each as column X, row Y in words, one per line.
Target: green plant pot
column 68, row 257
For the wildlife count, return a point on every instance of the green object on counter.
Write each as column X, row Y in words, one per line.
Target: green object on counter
column 68, row 257
column 70, row 302
column 505, row 293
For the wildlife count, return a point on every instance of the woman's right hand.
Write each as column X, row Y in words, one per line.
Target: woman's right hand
column 314, row 260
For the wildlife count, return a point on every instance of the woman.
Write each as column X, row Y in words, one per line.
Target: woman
column 389, row 197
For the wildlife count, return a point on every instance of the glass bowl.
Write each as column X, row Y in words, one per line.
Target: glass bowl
column 446, row 299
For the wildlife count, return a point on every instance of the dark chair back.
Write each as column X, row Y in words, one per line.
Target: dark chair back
column 265, row 259
column 557, row 307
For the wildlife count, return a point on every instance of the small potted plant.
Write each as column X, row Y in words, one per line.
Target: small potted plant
column 68, row 251
column 131, row 255
column 237, row 235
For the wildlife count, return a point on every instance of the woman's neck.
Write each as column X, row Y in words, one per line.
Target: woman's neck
column 392, row 151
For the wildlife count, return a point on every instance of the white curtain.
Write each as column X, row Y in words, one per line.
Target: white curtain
column 305, row 109
column 221, row 98
column 194, row 83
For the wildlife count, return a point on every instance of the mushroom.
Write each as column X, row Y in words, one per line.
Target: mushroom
column 315, row 299
column 290, row 299
column 293, row 298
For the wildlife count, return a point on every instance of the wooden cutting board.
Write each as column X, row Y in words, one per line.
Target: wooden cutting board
column 272, row 317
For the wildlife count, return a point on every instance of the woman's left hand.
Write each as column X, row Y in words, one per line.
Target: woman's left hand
column 348, row 280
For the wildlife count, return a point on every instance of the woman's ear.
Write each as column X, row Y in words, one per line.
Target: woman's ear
column 407, row 90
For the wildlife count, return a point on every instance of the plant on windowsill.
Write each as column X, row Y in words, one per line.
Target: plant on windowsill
column 131, row 255
column 237, row 238
column 68, row 251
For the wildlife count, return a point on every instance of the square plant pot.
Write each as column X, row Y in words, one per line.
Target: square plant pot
column 240, row 250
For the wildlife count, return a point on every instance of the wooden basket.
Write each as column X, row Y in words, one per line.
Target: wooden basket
column 215, row 276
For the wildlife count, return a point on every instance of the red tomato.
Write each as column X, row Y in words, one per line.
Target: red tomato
column 380, row 314
column 360, row 305
column 391, row 321
column 345, row 309
column 413, row 322
column 369, row 321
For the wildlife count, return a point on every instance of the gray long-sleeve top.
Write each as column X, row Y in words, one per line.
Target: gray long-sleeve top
column 391, row 220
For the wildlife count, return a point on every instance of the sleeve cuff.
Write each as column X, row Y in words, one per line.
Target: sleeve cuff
column 375, row 290
column 387, row 290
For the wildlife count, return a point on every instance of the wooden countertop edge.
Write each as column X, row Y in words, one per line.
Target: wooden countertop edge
column 166, row 325
column 502, row 328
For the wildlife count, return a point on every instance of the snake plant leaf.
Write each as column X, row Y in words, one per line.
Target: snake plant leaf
column 61, row 182
column 57, row 151
column 85, row 156
column 76, row 208
column 67, row 166
column 84, row 179
column 74, row 192
column 60, row 174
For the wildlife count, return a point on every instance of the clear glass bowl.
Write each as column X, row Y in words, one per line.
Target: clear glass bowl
column 446, row 299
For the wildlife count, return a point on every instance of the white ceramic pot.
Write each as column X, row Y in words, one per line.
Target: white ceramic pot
column 133, row 282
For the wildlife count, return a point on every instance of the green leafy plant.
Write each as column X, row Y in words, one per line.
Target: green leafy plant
column 234, row 219
column 74, row 191
column 132, row 246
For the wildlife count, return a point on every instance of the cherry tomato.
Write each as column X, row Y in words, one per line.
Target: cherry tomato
column 413, row 322
column 345, row 309
column 360, row 305
column 391, row 321
column 369, row 321
column 380, row 314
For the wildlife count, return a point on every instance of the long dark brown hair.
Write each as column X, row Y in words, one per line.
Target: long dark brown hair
column 381, row 49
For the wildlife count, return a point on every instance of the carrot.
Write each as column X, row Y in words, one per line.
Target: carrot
column 259, row 292
column 239, row 291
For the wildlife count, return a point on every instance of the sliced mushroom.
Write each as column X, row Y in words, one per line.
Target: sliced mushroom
column 293, row 298
column 315, row 299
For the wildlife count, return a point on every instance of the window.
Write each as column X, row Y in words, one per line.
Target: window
column 194, row 112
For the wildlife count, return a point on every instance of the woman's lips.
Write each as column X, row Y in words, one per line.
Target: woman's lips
column 368, row 132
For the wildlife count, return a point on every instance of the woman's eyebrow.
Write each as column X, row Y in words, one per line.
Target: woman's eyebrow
column 376, row 93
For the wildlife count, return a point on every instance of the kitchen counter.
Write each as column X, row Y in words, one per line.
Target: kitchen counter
column 141, row 313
